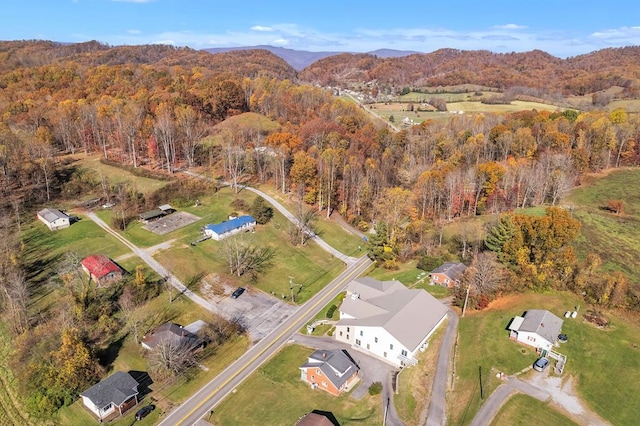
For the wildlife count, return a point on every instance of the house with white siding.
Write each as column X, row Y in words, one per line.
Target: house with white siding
column 54, row 219
column 537, row 328
column 388, row 320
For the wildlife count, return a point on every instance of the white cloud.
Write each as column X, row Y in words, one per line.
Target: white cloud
column 509, row 27
column 280, row 42
column 134, row 32
column 261, row 28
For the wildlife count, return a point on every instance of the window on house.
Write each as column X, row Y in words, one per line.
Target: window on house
column 347, row 337
column 435, row 278
column 313, row 378
column 318, row 372
column 376, row 340
column 324, row 384
column 391, row 346
column 358, row 342
column 404, row 352
column 348, row 329
column 361, row 333
column 368, row 346
column 341, row 334
column 385, row 354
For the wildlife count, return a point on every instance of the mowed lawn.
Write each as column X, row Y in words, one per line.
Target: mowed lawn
column 601, row 361
column 275, row 395
column 521, row 410
column 308, row 266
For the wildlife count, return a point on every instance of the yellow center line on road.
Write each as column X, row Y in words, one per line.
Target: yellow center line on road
column 246, row 365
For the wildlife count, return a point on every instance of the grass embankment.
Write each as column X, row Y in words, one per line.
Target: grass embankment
column 599, row 360
column 615, row 238
column 275, row 395
column 11, row 412
column 525, row 410
column 415, row 383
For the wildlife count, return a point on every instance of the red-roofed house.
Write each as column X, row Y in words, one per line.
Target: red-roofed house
column 101, row 269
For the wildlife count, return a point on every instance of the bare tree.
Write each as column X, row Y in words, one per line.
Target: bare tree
column 15, row 297
column 173, row 356
column 484, row 275
column 233, row 157
column 244, row 258
column 131, row 314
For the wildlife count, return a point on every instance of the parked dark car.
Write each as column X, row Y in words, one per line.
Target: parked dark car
column 540, row 364
column 144, row 411
column 238, row 291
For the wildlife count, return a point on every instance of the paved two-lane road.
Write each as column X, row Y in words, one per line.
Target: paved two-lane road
column 203, row 401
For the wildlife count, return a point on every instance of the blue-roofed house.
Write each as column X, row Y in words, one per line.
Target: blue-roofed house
column 219, row 231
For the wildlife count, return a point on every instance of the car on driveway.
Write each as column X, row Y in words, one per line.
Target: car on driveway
column 144, row 411
column 237, row 292
column 540, row 364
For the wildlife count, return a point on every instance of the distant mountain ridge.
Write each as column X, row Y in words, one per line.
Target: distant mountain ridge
column 300, row 59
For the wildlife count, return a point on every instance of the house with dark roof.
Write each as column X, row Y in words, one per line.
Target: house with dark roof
column 318, row 418
column 388, row 320
column 115, row 394
column 219, row 231
column 101, row 269
column 536, row 327
column 178, row 335
column 333, row 371
column 54, row 219
column 449, row 274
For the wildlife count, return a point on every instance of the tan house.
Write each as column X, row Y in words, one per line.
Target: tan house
column 333, row 371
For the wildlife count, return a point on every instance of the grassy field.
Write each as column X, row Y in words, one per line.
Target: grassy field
column 521, row 410
column 599, row 360
column 115, row 175
column 275, row 395
column 410, row 276
column 615, row 238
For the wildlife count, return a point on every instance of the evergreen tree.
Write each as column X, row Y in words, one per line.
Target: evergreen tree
column 261, row 211
column 500, row 234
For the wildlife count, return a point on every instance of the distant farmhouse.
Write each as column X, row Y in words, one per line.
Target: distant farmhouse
column 333, row 371
column 111, row 397
column 54, row 219
column 537, row 328
column 183, row 337
column 388, row 320
column 154, row 214
column 449, row 274
column 230, row 227
column 101, row 269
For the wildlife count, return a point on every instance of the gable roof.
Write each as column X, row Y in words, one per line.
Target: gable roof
column 151, row 214
column 451, row 269
column 175, row 332
column 542, row 322
column 100, row 265
column 337, row 365
column 116, row 389
column 407, row 314
column 367, row 287
column 229, row 225
column 51, row 215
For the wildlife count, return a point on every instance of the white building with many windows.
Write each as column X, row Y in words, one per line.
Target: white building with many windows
column 388, row 320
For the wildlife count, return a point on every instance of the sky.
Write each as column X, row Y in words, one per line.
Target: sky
column 559, row 27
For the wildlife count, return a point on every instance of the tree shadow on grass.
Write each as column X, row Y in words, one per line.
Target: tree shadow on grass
column 106, row 356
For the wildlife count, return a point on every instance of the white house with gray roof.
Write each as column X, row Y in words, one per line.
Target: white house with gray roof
column 536, row 327
column 118, row 392
column 54, row 219
column 388, row 320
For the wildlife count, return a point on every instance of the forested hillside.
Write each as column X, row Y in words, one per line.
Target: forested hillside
column 578, row 75
column 154, row 109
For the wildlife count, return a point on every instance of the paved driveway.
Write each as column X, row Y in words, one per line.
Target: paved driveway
column 371, row 370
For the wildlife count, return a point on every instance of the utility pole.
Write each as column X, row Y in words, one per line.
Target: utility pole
column 466, row 299
column 291, row 288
